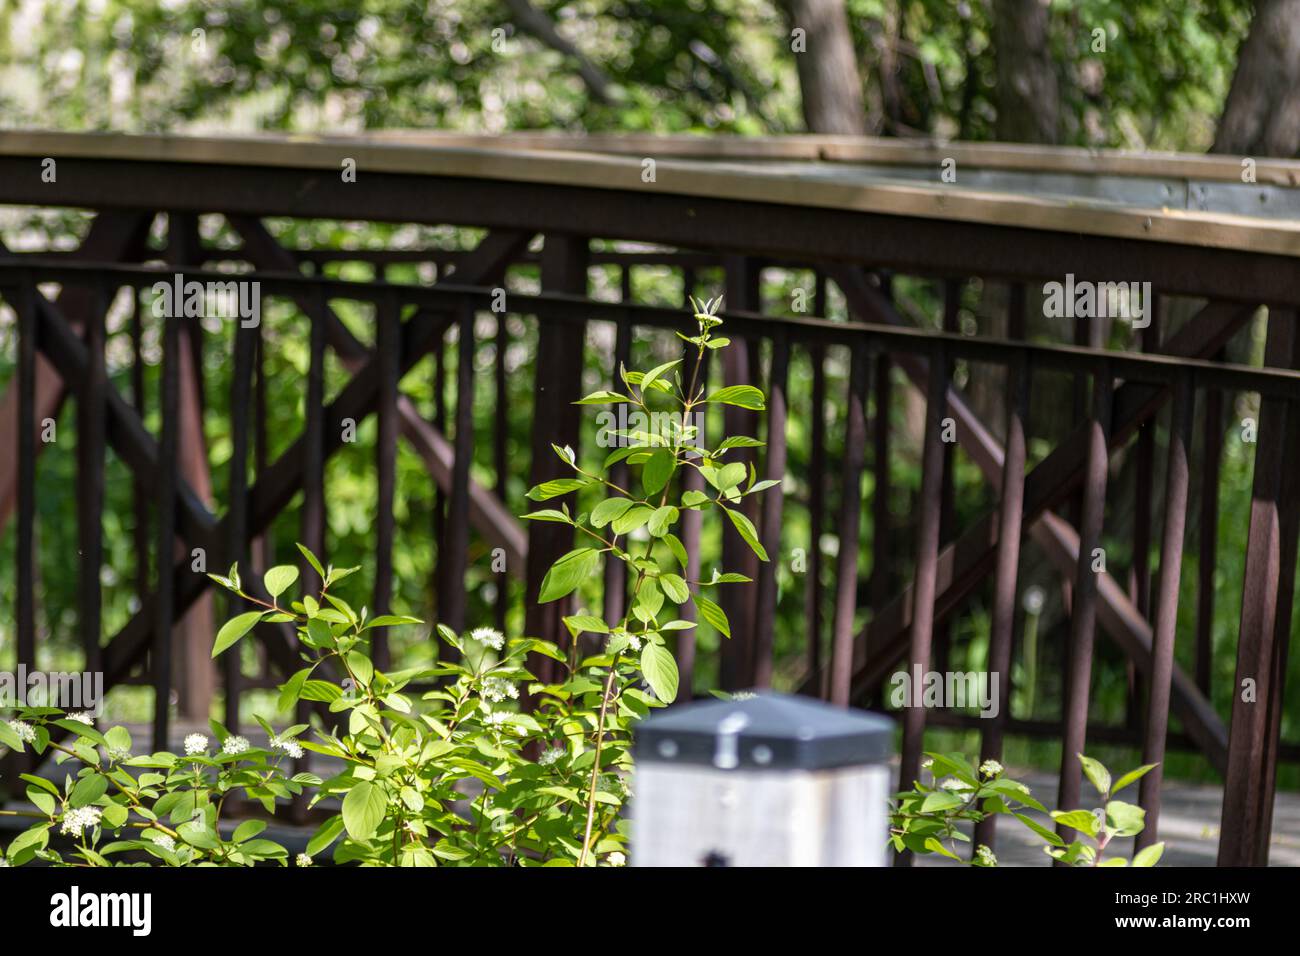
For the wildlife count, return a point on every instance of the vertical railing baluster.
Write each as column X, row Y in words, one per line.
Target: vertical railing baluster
column 1289, row 523
column 692, row 522
column 500, row 449
column 1140, row 583
column 846, row 562
column 312, row 519
column 1166, row 620
column 1083, row 624
column 557, row 421
column 453, row 585
column 25, row 560
column 773, row 505
column 615, row 584
column 236, row 544
column 816, row 515
column 264, row 545
column 1007, row 573
column 738, row 600
column 92, row 421
column 168, row 463
column 927, row 559
column 439, row 499
column 388, row 356
column 882, row 557
column 1208, row 533
column 140, row 493
column 948, row 506
column 1243, row 839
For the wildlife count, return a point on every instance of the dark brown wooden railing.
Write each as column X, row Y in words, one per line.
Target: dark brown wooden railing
column 921, row 571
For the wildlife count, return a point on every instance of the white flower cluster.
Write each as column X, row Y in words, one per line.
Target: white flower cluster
column 990, row 768
column 549, row 757
column 82, row 818
column 83, row 717
column 952, row 783
column 196, row 744
column 164, row 841
column 303, row 859
column 488, row 637
column 234, row 745
column 497, row 689
column 117, row 754
column 288, row 745
column 616, row 859
column 497, row 719
column 985, row 856
column 633, row 642
column 25, row 731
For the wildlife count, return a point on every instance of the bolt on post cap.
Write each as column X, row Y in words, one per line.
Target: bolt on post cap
column 764, row 730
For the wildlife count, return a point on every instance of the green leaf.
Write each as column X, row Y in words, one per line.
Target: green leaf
column 361, row 666
column 9, row 738
column 662, row 519
column 41, row 800
column 677, row 548
column 631, row 519
column 746, row 396
column 658, row 469
column 577, row 623
column 651, row 376
column 556, row 487
column 35, row 838
column 713, row 614
column 608, row 510
column 247, row 830
column 548, row 514
column 87, row 791
column 1150, row 856
column 115, row 815
column 747, row 531
column 313, row 561
column 726, row 477
column 363, row 810
column 234, row 629
column 603, row 397
column 940, row 800
column 739, row 441
column 934, row 846
column 1080, row 820
column 675, row 588
column 119, row 738
column 1097, row 774
column 660, row 671
column 567, row 573
column 279, row 579
column 291, row 689
column 329, row 832
column 1131, row 777
column 1048, row 835
column 1125, row 819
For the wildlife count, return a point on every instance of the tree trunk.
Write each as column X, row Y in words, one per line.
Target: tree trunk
column 1029, row 103
column 1262, row 113
column 828, row 67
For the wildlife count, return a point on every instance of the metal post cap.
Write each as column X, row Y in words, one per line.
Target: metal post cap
column 764, row 730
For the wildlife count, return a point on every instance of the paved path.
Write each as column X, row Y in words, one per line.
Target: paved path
column 1189, row 818
column 1189, row 827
